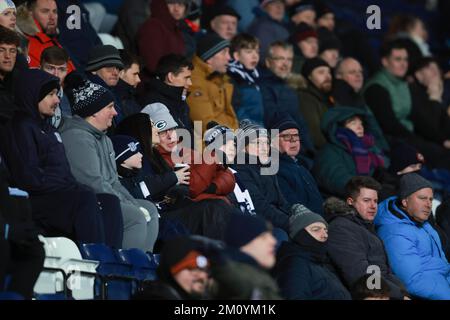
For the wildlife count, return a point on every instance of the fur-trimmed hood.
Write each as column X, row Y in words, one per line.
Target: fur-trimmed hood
column 25, row 22
column 334, row 207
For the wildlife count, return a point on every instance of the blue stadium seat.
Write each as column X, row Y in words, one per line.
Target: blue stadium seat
column 9, row 295
column 143, row 265
column 118, row 280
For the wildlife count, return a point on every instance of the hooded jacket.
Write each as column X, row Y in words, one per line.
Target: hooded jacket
column 91, row 157
column 159, row 35
column 210, row 96
column 302, row 278
column 353, row 246
column 414, row 251
column 334, row 166
column 35, row 153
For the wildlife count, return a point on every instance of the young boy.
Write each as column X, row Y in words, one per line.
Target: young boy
column 243, row 71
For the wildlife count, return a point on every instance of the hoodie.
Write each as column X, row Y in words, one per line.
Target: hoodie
column 414, row 251
column 40, row 165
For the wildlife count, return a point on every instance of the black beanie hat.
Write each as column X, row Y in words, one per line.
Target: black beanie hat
column 242, row 229
column 210, row 44
column 215, row 131
column 282, row 120
column 412, row 182
column 104, row 56
column 225, row 10
column 48, row 87
column 311, row 64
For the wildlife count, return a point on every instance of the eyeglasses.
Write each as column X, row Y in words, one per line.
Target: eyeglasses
column 290, row 137
column 166, row 132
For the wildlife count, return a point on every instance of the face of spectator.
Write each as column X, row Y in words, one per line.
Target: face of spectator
column 318, row 231
column 289, row 142
column 46, row 14
column 321, row 78
column 331, row 56
column 262, row 249
column 168, row 139
column 419, row 30
column 366, row 203
column 177, row 10
column 428, row 74
column 397, row 62
column 225, row 26
column 131, row 75
column 326, row 21
column 352, row 73
column 248, row 57
column 59, row 71
column 193, row 281
column 229, row 149
column 8, row 54
column 155, row 135
column 8, row 18
column 102, row 120
column 259, row 148
column 109, row 74
column 182, row 79
column 275, row 10
column 47, row 106
column 356, row 125
column 133, row 162
column 280, row 62
column 309, row 47
column 306, row 16
column 418, row 205
column 219, row 61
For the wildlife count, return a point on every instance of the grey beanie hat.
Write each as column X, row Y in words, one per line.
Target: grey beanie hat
column 160, row 116
column 104, row 56
column 301, row 217
column 412, row 182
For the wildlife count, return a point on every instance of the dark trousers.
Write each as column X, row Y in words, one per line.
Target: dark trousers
column 111, row 215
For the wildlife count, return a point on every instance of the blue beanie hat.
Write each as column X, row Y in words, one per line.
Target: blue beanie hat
column 124, row 147
column 242, row 229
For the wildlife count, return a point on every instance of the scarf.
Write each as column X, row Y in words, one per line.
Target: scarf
column 359, row 148
column 237, row 70
column 316, row 249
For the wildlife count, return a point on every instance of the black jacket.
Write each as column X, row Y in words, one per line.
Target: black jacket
column 266, row 194
column 171, row 97
column 353, row 246
column 127, row 96
column 301, row 277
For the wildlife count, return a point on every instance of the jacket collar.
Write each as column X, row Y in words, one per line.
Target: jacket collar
column 173, row 94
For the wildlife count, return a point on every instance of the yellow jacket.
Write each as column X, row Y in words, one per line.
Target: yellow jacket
column 210, row 96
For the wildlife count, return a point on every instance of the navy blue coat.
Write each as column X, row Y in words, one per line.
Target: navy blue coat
column 298, row 185
column 301, row 278
column 266, row 194
column 278, row 96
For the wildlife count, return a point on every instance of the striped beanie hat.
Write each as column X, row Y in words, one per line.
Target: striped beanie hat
column 209, row 45
column 104, row 56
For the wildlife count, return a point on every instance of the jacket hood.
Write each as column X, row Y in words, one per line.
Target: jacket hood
column 334, row 116
column 26, row 23
column 334, row 207
column 159, row 10
column 390, row 213
column 27, row 89
column 76, row 122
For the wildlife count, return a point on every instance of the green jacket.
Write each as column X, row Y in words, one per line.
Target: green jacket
column 399, row 93
column 334, row 166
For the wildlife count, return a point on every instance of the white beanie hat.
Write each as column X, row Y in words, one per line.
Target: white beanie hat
column 6, row 4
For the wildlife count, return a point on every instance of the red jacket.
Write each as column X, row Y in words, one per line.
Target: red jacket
column 38, row 43
column 202, row 175
column 159, row 35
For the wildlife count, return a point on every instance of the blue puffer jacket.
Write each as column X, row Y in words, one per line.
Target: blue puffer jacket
column 414, row 252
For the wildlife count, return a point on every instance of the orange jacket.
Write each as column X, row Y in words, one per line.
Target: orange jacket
column 38, row 43
column 202, row 175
